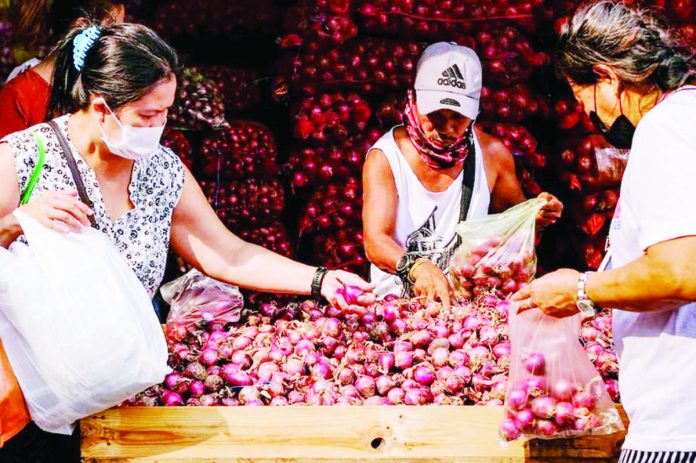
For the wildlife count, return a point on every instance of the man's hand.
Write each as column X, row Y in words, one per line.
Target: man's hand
column 551, row 211
column 555, row 294
column 429, row 281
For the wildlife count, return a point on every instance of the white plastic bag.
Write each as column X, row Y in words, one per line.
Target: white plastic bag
column 77, row 325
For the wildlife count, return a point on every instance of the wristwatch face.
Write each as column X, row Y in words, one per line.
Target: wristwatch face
column 586, row 307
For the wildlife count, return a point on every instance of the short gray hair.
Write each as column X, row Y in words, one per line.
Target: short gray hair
column 634, row 42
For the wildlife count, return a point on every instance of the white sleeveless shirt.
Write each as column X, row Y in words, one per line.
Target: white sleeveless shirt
column 426, row 220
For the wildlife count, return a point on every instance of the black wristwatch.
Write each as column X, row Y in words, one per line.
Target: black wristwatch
column 318, row 280
column 404, row 265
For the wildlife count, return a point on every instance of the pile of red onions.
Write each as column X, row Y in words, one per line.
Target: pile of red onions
column 215, row 21
column 176, row 141
column 329, row 163
column 244, row 149
column 330, row 116
column 490, row 267
column 535, row 408
column 570, row 115
column 241, row 203
column 400, row 352
column 328, row 21
column 367, row 65
column 439, row 19
column 595, row 170
column 239, row 87
column 198, row 104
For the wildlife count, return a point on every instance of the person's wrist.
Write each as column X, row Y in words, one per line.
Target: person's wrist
column 412, row 274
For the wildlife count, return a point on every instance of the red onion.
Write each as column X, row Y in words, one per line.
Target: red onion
column 563, row 390
column 423, row 375
column 545, row 428
column 171, row 399
column 584, row 399
column 510, row 429
column 396, row 396
column 384, row 384
column 516, row 398
column 543, row 407
column 403, row 360
column 366, row 386
column 535, row 363
column 196, row 388
column 563, row 415
column 386, row 362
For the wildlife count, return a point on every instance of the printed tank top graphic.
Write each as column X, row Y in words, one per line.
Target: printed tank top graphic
column 425, row 242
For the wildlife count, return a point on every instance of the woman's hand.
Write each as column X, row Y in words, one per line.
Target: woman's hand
column 555, row 294
column 551, row 211
column 61, row 211
column 429, row 281
column 335, row 280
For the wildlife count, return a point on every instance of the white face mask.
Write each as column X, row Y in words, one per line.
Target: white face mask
column 137, row 143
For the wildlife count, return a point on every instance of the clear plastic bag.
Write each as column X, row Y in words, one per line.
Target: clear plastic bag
column 77, row 325
column 13, row 409
column 554, row 390
column 497, row 252
column 611, row 164
column 195, row 298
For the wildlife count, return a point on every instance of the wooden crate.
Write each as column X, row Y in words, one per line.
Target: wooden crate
column 433, row 434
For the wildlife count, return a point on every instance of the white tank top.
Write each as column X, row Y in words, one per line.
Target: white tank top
column 426, row 220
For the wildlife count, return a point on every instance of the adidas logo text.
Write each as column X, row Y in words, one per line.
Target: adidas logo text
column 452, row 77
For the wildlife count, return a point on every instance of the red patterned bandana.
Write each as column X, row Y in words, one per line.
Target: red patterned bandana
column 435, row 153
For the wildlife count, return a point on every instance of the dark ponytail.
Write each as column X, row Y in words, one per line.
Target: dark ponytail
column 122, row 65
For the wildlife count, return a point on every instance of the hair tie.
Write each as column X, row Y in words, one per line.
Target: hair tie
column 82, row 43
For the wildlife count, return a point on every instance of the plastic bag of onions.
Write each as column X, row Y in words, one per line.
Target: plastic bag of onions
column 196, row 298
column 554, row 390
column 497, row 252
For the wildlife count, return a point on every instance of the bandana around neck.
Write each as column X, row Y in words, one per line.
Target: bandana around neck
column 435, row 153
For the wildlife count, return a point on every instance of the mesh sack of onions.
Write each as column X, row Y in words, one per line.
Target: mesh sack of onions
column 245, row 149
column 176, row 141
column 186, row 22
column 325, row 21
column 554, row 390
column 439, row 20
column 366, row 65
column 198, row 105
column 330, row 116
column 239, row 87
column 496, row 252
column 243, row 203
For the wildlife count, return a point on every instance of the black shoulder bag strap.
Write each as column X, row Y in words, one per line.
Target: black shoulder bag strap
column 77, row 178
column 468, row 183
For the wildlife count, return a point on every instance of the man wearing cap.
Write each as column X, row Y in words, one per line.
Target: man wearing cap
column 425, row 176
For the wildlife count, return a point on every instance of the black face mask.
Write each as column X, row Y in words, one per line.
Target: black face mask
column 620, row 134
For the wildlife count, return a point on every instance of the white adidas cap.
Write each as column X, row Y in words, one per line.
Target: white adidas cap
column 449, row 76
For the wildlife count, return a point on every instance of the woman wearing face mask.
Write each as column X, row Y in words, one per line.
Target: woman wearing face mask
column 422, row 178
column 637, row 81
column 24, row 99
column 114, row 86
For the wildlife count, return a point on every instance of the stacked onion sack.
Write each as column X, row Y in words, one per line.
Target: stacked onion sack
column 345, row 69
column 234, row 160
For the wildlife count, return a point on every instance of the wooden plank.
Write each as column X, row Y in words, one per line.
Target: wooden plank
column 436, row 434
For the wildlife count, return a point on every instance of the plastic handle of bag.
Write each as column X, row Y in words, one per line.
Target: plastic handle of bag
column 36, row 173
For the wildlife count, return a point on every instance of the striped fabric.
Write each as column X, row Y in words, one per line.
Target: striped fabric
column 637, row 456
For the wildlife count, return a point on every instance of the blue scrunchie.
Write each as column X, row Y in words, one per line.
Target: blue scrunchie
column 82, row 43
